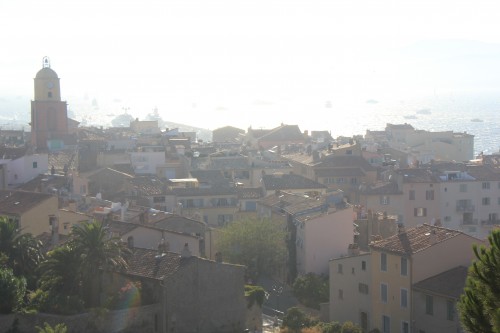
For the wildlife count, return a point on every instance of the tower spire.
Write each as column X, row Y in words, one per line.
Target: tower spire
column 46, row 62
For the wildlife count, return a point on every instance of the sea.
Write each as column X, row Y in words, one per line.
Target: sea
column 476, row 113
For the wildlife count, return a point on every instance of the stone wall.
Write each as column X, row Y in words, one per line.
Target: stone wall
column 206, row 296
column 139, row 319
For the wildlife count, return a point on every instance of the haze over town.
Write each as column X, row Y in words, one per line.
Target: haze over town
column 200, row 62
column 229, row 165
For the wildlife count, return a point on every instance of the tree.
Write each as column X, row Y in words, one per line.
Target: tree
column 22, row 250
column 296, row 319
column 12, row 290
column 97, row 251
column 311, row 289
column 257, row 244
column 479, row 305
column 60, row 271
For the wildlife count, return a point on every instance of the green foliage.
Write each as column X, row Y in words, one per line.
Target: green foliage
column 71, row 273
column 97, row 252
column 479, row 305
column 59, row 328
column 349, row 327
column 255, row 243
column 332, row 327
column 21, row 251
column 254, row 294
column 12, row 290
column 51, row 301
column 296, row 319
column 311, row 289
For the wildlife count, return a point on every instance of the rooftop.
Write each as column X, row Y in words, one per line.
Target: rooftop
column 450, row 283
column 415, row 239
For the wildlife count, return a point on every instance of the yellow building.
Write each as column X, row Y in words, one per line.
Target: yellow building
column 31, row 210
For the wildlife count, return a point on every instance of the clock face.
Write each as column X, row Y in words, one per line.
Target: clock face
column 50, row 85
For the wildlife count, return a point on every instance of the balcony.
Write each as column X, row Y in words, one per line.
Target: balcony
column 466, row 208
column 469, row 222
column 490, row 222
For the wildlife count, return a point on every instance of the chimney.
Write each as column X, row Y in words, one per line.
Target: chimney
column 72, row 206
column 54, row 229
column 186, row 253
column 401, row 228
column 433, row 237
column 353, row 250
column 130, row 242
column 162, row 246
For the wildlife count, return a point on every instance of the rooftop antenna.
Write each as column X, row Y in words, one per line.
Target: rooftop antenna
column 46, row 62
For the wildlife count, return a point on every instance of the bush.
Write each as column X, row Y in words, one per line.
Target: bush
column 12, row 291
column 311, row 289
column 59, row 328
column 254, row 294
column 48, row 302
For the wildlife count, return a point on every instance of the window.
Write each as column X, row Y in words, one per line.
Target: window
column 492, row 217
column 384, row 200
column 363, row 265
column 354, row 181
column 49, row 94
column 463, row 188
column 420, row 212
column 341, row 294
column 386, row 324
column 412, row 194
column 35, row 165
column 404, row 266
column 405, row 327
column 404, row 298
column 383, row 262
column 383, row 292
column 340, row 180
column 429, row 195
column 353, row 271
column 223, row 220
column 161, row 199
column 486, row 185
column 429, row 305
column 450, row 310
column 485, row 201
column 363, row 288
column 339, row 268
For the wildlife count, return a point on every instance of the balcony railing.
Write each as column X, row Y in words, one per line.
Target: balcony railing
column 466, row 208
column 490, row 222
column 469, row 222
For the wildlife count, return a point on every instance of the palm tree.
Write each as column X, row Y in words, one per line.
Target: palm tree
column 60, row 271
column 23, row 250
column 98, row 251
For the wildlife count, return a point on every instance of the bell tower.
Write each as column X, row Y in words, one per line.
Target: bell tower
column 49, row 115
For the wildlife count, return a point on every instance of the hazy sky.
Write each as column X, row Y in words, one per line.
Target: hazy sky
column 206, row 50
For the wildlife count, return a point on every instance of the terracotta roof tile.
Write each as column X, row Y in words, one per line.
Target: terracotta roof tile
column 19, row 202
column 149, row 264
column 289, row 182
column 415, row 239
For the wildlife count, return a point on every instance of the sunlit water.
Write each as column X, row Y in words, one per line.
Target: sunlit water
column 341, row 115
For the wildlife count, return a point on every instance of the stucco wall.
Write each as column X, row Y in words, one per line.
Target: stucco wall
column 205, row 296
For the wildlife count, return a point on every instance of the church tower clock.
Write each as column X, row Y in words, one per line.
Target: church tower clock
column 49, row 115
